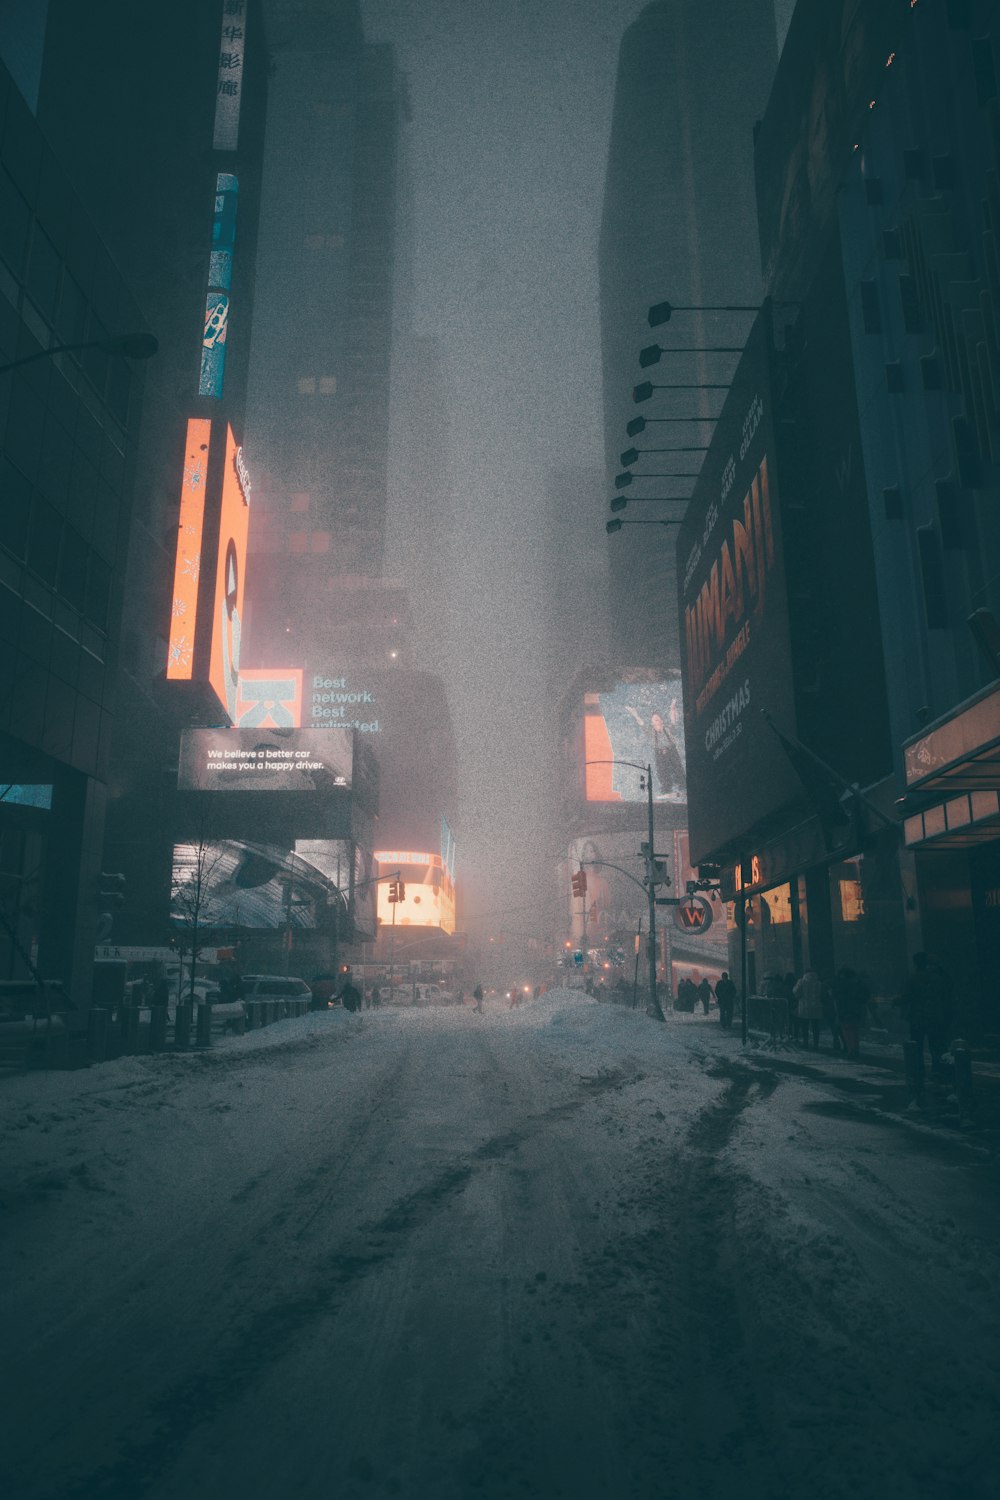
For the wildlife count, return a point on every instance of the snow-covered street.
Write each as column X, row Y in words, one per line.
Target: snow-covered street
column 556, row 1252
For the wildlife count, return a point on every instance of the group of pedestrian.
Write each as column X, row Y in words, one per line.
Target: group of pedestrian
column 837, row 1002
column 689, row 994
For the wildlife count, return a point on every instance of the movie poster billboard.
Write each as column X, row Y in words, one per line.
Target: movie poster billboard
column 614, row 902
column 296, row 761
column 230, row 580
column 735, row 639
column 638, row 721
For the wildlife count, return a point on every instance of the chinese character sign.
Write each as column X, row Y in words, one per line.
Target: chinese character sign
column 229, row 86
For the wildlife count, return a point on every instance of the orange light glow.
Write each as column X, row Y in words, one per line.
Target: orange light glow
column 187, row 567
column 227, row 605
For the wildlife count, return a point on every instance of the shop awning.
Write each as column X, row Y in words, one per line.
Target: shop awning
column 960, row 752
column 972, row 818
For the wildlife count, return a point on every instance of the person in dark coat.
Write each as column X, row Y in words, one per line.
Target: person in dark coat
column 850, row 995
column 350, row 996
column 927, row 1006
column 705, row 995
column 725, row 994
column 477, row 995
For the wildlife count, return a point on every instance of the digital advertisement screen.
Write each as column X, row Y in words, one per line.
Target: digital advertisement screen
column 230, row 572
column 265, row 760
column 220, row 276
column 269, row 697
column 231, row 883
column 429, row 898
column 641, row 721
column 735, row 639
column 187, row 565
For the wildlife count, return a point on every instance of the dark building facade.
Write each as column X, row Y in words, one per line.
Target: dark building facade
column 69, row 427
column 678, row 223
column 160, row 116
column 859, row 605
column 320, row 414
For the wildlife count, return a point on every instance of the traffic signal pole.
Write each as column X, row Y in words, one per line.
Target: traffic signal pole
column 654, row 1004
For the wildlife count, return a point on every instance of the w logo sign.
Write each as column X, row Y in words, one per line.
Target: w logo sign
column 693, row 915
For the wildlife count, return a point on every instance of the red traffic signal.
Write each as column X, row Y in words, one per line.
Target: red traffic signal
column 579, row 882
column 393, row 891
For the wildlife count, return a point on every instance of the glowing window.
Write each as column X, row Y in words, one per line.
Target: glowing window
column 328, row 385
column 321, row 541
column 300, row 500
column 306, row 385
column 314, row 242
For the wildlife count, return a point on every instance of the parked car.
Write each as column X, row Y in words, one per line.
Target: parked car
column 274, row 987
column 229, row 1015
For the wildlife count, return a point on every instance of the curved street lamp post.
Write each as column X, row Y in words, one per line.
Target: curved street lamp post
column 652, row 880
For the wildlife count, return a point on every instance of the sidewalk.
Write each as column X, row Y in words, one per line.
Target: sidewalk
column 884, row 1060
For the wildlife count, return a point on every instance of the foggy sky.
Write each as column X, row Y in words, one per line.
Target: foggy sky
column 511, row 118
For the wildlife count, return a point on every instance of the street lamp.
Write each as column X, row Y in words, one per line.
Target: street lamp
column 653, row 1010
column 631, row 455
column 622, row 481
column 616, row 525
column 644, row 392
column 121, row 346
column 639, row 424
column 653, row 353
column 619, row 502
column 662, row 312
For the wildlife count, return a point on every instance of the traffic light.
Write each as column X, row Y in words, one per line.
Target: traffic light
column 579, row 882
column 110, row 898
column 393, row 891
column 401, row 890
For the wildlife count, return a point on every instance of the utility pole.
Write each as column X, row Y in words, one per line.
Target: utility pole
column 651, row 879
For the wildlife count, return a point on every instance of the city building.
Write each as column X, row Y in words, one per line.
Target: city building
column 678, row 224
column 69, row 467
column 160, row 119
column 838, row 563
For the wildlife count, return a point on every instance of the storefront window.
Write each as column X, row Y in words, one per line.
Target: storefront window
column 867, row 913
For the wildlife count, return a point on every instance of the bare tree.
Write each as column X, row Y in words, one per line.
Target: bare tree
column 191, row 897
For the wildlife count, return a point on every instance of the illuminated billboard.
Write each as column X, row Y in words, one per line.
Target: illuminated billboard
column 269, row 697
column 265, row 760
column 341, row 702
column 429, row 899
column 639, row 721
column 735, row 638
column 187, row 564
column 230, row 571
column 232, row 883
column 220, row 276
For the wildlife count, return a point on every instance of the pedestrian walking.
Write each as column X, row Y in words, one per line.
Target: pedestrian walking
column 850, row 995
column 477, row 995
column 927, row 1006
column 725, row 994
column 376, row 996
column 350, row 996
column 705, row 995
column 831, row 1015
column 809, row 997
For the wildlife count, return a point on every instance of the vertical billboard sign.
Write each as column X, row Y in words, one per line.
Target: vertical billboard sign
column 227, row 611
column 735, row 642
column 229, row 84
column 220, row 280
column 187, row 565
column 269, row 698
column 637, row 722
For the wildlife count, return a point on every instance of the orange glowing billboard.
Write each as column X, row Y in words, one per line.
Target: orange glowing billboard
column 429, row 897
column 230, row 571
column 187, row 566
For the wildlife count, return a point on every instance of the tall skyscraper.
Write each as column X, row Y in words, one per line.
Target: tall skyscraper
column 159, row 116
column 679, row 224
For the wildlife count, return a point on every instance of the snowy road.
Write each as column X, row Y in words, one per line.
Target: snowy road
column 560, row 1252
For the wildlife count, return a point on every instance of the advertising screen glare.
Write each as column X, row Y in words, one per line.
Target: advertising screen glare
column 265, row 760
column 735, row 642
column 187, row 566
column 231, row 883
column 429, row 899
column 220, row 276
column 641, row 721
column 230, row 571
